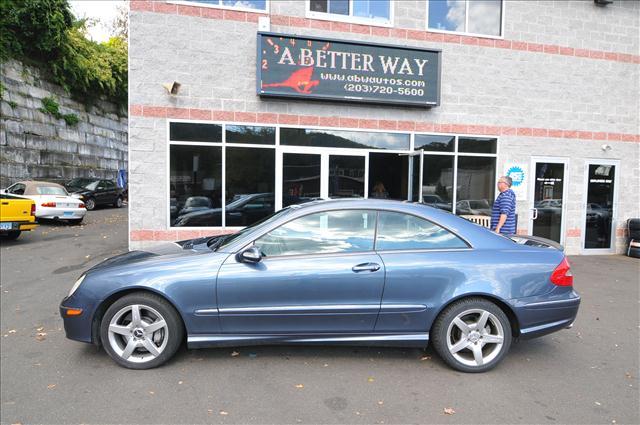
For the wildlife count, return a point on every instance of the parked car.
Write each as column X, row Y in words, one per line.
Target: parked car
column 16, row 215
column 95, row 192
column 436, row 201
column 329, row 272
column 52, row 200
column 473, row 207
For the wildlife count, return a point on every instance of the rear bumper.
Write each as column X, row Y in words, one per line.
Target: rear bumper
column 61, row 213
column 18, row 225
column 539, row 317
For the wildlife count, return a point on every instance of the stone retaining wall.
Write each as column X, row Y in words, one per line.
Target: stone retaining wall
column 36, row 145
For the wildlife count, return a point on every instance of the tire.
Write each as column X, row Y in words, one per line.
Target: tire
column 127, row 344
column 118, row 203
column 90, row 204
column 12, row 235
column 467, row 350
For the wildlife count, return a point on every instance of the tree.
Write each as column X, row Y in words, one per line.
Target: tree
column 120, row 24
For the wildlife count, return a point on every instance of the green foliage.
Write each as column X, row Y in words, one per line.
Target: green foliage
column 50, row 106
column 12, row 104
column 44, row 31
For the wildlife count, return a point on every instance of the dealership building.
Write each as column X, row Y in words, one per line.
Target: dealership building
column 239, row 108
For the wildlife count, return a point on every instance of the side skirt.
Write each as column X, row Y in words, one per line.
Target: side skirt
column 388, row 340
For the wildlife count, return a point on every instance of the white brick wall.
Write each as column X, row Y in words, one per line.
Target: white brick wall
column 215, row 61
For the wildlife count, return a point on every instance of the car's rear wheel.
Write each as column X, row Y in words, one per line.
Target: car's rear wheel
column 90, row 204
column 141, row 331
column 118, row 203
column 472, row 335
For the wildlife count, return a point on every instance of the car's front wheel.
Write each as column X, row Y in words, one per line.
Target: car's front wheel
column 472, row 335
column 141, row 331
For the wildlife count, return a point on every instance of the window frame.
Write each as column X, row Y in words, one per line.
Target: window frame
column 280, row 149
column 221, row 6
column 327, row 16
column 466, row 23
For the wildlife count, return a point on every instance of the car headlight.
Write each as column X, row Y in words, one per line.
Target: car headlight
column 77, row 284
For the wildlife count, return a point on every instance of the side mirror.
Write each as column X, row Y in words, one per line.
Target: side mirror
column 250, row 255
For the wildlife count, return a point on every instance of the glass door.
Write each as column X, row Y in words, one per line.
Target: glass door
column 347, row 176
column 301, row 177
column 547, row 216
column 599, row 209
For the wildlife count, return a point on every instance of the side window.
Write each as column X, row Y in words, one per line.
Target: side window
column 322, row 233
column 403, row 231
column 108, row 184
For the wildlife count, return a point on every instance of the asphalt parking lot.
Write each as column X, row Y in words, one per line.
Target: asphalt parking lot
column 588, row 374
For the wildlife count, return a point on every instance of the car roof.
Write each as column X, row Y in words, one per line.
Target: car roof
column 31, row 185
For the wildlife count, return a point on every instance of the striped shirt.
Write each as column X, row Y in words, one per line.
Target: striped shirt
column 505, row 204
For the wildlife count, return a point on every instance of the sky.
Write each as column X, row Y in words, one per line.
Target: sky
column 104, row 10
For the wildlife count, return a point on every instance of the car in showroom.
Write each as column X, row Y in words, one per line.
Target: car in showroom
column 96, row 192
column 52, row 201
column 368, row 272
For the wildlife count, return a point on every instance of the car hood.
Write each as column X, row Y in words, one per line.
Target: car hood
column 166, row 251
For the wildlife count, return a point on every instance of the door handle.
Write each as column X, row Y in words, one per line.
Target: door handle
column 366, row 267
column 535, row 213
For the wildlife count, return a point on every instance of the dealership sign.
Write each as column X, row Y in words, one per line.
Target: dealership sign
column 314, row 68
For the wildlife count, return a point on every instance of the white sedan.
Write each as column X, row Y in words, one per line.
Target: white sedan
column 52, row 200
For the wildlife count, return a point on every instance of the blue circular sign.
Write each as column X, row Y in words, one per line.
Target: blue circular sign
column 517, row 175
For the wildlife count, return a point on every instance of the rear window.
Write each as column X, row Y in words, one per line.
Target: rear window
column 403, row 231
column 51, row 190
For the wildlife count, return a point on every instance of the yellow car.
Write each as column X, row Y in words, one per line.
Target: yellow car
column 16, row 215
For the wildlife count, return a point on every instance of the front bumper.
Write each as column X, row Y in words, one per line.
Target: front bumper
column 78, row 328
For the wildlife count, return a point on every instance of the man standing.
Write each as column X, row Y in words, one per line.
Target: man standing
column 503, row 214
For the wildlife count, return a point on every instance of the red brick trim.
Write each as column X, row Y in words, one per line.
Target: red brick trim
column 297, row 22
column 573, row 233
column 372, row 124
column 173, row 234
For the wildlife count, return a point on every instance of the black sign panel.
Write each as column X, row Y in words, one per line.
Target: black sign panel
column 314, row 68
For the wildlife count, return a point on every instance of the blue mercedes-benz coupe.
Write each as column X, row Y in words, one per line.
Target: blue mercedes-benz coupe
column 369, row 272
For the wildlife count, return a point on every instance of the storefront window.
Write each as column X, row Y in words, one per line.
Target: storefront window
column 600, row 189
column 195, row 180
column 343, row 139
column 476, row 177
column 468, row 16
column 192, row 132
column 250, row 135
column 249, row 185
column 437, row 181
column 434, row 143
column 300, row 178
column 376, row 10
column 477, row 144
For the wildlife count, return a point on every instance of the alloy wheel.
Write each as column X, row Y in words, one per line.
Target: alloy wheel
column 138, row 333
column 475, row 337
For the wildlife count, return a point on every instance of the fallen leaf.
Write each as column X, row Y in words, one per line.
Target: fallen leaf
column 179, row 382
column 358, row 413
column 627, row 375
column 370, row 379
column 449, row 411
column 235, row 354
column 380, row 402
column 425, row 358
column 223, row 413
column 151, row 392
column 87, row 256
column 41, row 336
column 40, row 329
column 210, row 411
column 598, row 403
column 51, row 386
column 12, row 331
column 325, row 365
column 299, row 386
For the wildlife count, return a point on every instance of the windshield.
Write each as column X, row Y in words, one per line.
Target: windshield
column 51, row 190
column 86, row 183
column 223, row 242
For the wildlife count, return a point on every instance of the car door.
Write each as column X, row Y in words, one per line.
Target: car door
column 110, row 192
column 318, row 274
column 102, row 193
column 422, row 267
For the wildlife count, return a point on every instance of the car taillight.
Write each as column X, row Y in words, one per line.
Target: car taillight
column 33, row 209
column 562, row 275
column 49, row 204
column 81, row 205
